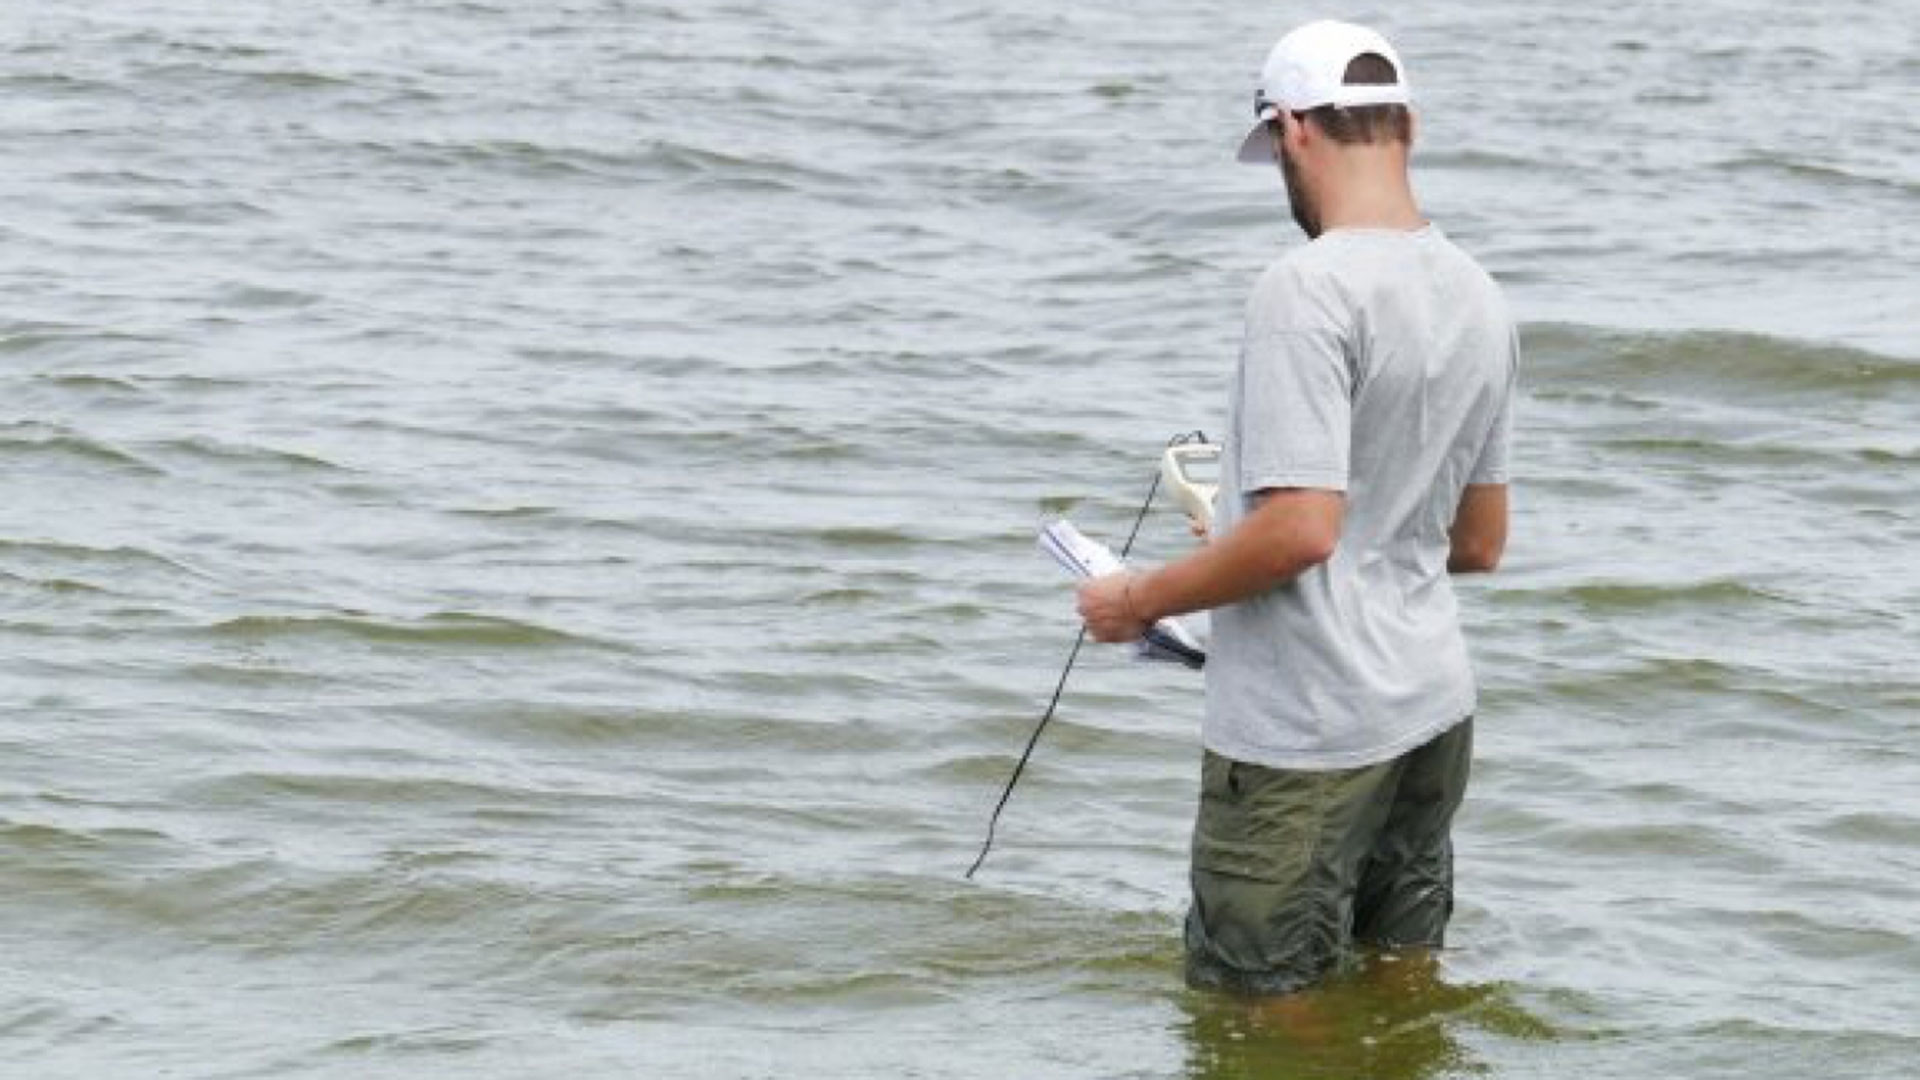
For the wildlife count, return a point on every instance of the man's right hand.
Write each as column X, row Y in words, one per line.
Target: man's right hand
column 1106, row 605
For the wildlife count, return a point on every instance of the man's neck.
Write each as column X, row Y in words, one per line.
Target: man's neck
column 1367, row 188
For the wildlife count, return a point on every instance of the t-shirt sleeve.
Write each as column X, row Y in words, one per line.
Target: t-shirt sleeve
column 1296, row 409
column 1491, row 466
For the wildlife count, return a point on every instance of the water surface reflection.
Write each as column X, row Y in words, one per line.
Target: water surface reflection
column 1393, row 1017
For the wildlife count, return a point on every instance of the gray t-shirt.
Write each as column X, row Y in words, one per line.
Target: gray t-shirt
column 1380, row 363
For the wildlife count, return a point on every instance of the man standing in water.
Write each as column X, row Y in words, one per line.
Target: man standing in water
column 1366, row 461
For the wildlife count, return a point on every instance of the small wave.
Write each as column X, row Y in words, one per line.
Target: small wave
column 588, row 357
column 531, row 160
column 950, row 614
column 225, row 78
column 429, row 1041
column 970, row 771
column 35, row 551
column 225, row 453
column 297, row 79
column 844, row 596
column 25, row 1021
column 72, row 447
column 504, row 513
column 56, row 337
column 539, row 159
column 55, row 839
column 668, row 726
column 357, row 789
column 1879, row 827
column 183, row 212
column 269, row 906
column 1721, row 363
column 1698, row 843
column 894, row 988
column 89, row 383
column 724, row 169
column 1635, row 681
column 58, row 586
column 1859, row 1048
column 1702, row 452
column 866, row 536
column 1799, row 933
column 1479, row 159
column 1613, row 597
column 258, row 674
column 439, row 629
column 1878, row 456
column 1666, row 97
column 1827, row 176
column 529, row 722
column 256, row 296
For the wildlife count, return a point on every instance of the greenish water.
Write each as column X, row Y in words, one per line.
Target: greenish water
column 516, row 539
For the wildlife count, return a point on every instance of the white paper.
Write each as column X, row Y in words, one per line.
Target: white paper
column 1166, row 639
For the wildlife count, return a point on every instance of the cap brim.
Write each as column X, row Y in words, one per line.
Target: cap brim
column 1257, row 147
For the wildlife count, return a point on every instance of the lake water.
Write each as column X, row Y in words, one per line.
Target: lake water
column 516, row 537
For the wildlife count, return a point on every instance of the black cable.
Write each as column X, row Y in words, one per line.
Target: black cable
column 1031, row 743
column 1071, row 657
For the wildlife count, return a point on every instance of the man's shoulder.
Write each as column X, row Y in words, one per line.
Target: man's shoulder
column 1300, row 280
column 1310, row 262
column 1327, row 262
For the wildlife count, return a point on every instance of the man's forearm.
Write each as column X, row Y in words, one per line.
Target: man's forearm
column 1478, row 536
column 1270, row 548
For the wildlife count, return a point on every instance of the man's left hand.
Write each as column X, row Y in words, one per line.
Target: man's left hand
column 1107, row 606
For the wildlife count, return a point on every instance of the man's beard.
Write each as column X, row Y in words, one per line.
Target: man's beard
column 1305, row 213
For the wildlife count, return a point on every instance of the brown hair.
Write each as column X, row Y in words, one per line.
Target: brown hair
column 1365, row 123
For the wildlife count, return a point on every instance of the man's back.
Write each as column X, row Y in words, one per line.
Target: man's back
column 1378, row 362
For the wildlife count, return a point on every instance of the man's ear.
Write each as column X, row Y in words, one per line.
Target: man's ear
column 1289, row 130
column 1303, row 134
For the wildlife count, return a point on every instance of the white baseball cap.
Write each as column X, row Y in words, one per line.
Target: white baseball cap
column 1308, row 69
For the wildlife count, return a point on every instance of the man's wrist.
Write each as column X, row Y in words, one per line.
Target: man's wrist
column 1139, row 604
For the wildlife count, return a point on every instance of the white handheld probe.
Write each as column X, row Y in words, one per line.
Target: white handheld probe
column 1192, row 470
